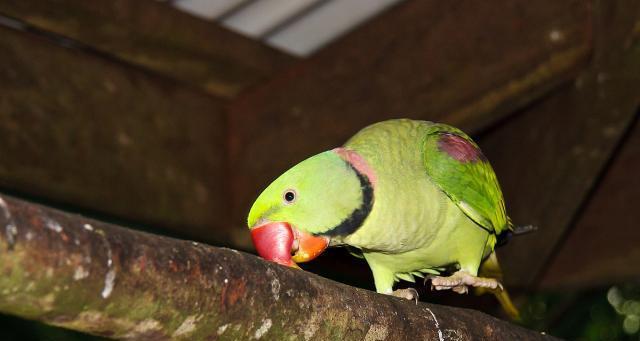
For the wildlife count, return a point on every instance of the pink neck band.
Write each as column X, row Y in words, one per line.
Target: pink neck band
column 358, row 162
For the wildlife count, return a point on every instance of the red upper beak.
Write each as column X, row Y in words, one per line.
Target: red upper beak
column 275, row 242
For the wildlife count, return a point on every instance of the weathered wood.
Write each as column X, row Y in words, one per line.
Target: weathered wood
column 602, row 248
column 456, row 62
column 158, row 37
column 93, row 134
column 549, row 157
column 106, row 280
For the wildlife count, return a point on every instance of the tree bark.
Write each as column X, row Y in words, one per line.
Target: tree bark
column 70, row 271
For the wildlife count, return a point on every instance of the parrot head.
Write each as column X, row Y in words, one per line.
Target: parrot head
column 325, row 196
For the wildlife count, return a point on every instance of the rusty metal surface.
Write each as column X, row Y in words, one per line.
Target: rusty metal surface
column 81, row 274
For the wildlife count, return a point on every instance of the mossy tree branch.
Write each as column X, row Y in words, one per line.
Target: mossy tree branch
column 66, row 270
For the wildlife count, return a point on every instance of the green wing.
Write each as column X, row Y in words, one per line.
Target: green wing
column 456, row 165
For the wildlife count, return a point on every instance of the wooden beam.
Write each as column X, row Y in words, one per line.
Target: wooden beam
column 93, row 134
column 602, row 248
column 549, row 157
column 106, row 280
column 158, row 37
column 457, row 62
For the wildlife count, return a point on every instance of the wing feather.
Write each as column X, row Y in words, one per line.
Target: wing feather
column 457, row 166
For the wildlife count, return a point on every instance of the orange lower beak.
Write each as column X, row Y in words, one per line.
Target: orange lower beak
column 308, row 246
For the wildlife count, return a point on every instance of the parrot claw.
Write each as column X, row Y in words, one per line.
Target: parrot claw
column 428, row 278
column 408, row 293
column 461, row 289
column 461, row 280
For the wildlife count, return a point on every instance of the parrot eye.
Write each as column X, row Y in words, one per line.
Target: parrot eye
column 289, row 196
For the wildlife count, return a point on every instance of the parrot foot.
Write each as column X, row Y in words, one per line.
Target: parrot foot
column 408, row 293
column 461, row 280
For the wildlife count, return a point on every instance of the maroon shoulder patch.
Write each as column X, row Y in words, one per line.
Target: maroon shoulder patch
column 459, row 148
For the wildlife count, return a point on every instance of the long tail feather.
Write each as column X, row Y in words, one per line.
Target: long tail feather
column 491, row 268
column 524, row 229
column 506, row 235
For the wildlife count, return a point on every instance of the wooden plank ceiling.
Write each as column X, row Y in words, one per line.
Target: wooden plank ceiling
column 299, row 27
column 156, row 37
column 602, row 248
column 550, row 156
column 82, row 131
column 548, row 87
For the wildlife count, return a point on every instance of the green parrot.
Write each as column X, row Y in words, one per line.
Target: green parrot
column 415, row 198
